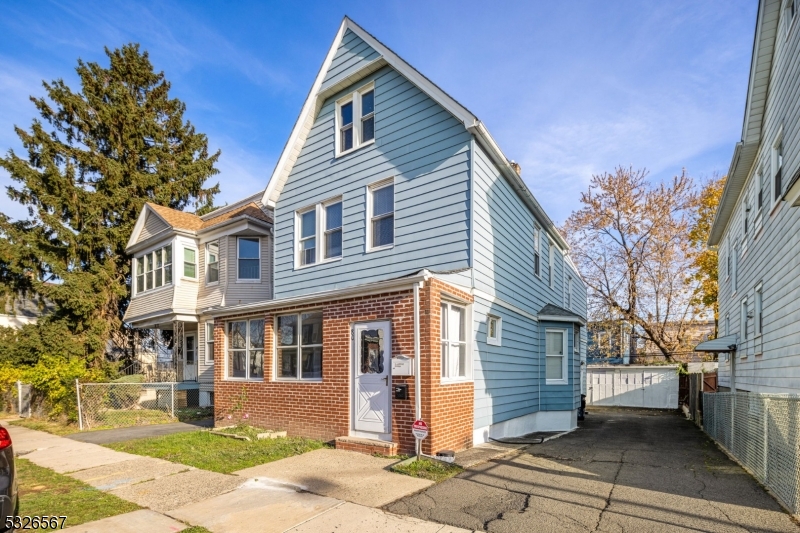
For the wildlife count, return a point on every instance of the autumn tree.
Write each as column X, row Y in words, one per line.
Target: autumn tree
column 704, row 259
column 93, row 158
column 629, row 240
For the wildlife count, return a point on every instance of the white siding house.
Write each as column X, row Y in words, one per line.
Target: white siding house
column 757, row 226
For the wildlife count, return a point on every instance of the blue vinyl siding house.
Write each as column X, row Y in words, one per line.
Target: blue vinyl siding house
column 388, row 186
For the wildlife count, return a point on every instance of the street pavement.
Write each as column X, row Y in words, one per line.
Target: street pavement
column 107, row 436
column 622, row 470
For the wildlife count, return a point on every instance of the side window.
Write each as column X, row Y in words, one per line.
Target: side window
column 551, row 263
column 248, row 258
column 455, row 358
column 493, row 330
column 537, row 269
column 381, row 215
column 190, row 263
column 209, row 342
column 777, row 168
column 555, row 356
column 212, row 262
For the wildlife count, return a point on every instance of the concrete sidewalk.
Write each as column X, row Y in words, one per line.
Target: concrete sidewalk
column 177, row 495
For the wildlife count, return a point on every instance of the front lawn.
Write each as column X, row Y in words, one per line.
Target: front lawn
column 43, row 492
column 436, row 471
column 40, row 424
column 202, row 449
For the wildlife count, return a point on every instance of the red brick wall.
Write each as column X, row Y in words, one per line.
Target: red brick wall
column 322, row 409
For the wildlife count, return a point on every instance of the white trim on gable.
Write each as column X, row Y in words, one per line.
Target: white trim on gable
column 141, row 221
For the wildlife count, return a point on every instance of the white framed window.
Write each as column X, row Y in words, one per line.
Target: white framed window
column 734, row 266
column 761, row 196
column 245, row 349
column 212, row 263
column 576, row 338
column 189, row 263
column 248, row 259
column 299, row 346
column 494, row 327
column 355, row 120
column 568, row 293
column 758, row 319
column 777, row 168
column 191, row 348
column 551, row 263
column 380, row 209
column 455, row 353
column 728, row 254
column 743, row 320
column 556, row 356
column 537, row 267
column 209, row 342
column 318, row 233
column 746, row 208
column 154, row 269
column 727, row 324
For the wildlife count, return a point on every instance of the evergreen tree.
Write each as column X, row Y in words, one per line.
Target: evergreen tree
column 93, row 159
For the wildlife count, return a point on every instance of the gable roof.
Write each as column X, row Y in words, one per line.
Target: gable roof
column 746, row 150
column 322, row 89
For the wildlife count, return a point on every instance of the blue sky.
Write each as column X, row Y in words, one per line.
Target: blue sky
column 567, row 88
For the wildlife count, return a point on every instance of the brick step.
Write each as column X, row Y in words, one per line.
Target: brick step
column 368, row 446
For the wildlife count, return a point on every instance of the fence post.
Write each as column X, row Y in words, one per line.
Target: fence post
column 19, row 398
column 78, row 394
column 766, row 440
column 172, row 399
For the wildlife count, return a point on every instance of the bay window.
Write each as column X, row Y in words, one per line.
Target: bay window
column 246, row 349
column 299, row 346
column 154, row 269
column 190, row 263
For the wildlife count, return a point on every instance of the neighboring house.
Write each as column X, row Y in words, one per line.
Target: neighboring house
column 612, row 342
column 24, row 310
column 757, row 226
column 415, row 276
column 183, row 263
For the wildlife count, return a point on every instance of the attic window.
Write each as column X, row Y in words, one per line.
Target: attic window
column 355, row 119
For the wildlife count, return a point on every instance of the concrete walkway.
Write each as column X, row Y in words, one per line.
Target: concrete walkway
column 622, row 470
column 177, row 495
column 107, row 436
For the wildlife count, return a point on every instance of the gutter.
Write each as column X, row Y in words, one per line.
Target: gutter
column 333, row 294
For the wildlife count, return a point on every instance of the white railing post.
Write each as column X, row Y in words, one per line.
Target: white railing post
column 78, row 394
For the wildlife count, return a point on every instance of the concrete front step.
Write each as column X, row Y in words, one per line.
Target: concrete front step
column 368, row 446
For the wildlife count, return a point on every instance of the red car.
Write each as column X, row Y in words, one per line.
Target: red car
column 9, row 503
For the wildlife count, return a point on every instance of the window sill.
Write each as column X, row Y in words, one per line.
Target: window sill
column 455, row 381
column 775, row 206
column 380, row 248
column 354, row 149
column 323, row 262
column 244, row 380
column 184, row 278
column 556, row 382
column 493, row 342
column 152, row 291
column 291, row 380
column 212, row 284
column 248, row 281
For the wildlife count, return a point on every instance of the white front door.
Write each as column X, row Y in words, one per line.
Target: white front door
column 372, row 361
column 190, row 357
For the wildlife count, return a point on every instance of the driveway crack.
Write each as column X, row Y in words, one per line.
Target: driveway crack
column 610, row 492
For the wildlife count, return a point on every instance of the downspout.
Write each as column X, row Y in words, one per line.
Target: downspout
column 417, row 365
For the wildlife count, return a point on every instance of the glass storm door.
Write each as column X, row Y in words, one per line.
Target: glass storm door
column 372, row 359
column 190, row 359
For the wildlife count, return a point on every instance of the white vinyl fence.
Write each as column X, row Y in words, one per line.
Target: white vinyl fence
column 654, row 387
column 762, row 432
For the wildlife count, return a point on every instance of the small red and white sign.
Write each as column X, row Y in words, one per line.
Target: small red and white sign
column 420, row 429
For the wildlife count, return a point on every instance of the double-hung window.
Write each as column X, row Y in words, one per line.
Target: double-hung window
column 154, row 269
column 355, row 119
column 568, row 295
column 319, row 232
column 248, row 258
column 537, row 269
column 734, row 266
column 555, row 356
column 246, row 349
column 299, row 346
column 381, row 215
column 212, row 262
column 777, row 168
column 454, row 342
column 758, row 323
column 190, row 263
column 209, row 342
column 743, row 320
column 576, row 338
column 551, row 263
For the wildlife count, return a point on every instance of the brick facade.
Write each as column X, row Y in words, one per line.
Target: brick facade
column 322, row 409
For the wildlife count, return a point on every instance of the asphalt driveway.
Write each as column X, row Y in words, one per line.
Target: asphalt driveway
column 622, row 470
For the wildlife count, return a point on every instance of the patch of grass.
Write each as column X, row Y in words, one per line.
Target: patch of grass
column 39, row 424
column 196, row 529
column 436, row 471
column 203, row 450
column 193, row 413
column 45, row 492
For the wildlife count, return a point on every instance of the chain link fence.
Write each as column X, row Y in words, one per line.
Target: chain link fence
column 762, row 432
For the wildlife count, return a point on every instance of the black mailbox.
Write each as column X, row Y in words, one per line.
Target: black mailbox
column 401, row 392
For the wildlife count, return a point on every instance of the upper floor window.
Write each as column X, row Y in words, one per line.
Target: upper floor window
column 576, row 338
column 743, row 321
column 212, row 262
column 551, row 264
column 380, row 229
column 537, row 269
column 154, row 269
column 319, row 223
column 190, row 263
column 759, row 311
column 789, row 15
column 248, row 258
column 569, row 293
column 777, row 168
column 493, row 327
column 355, row 119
